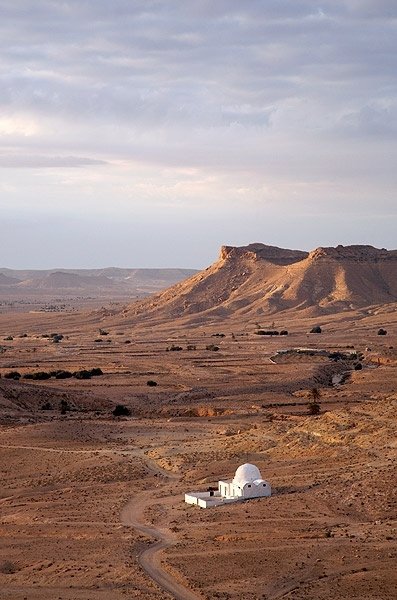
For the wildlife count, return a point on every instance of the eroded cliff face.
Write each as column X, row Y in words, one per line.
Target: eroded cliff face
column 355, row 253
column 258, row 251
column 258, row 279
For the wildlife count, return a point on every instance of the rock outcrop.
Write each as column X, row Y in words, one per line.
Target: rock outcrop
column 259, row 279
column 278, row 256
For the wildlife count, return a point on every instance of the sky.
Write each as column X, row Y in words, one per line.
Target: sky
column 142, row 133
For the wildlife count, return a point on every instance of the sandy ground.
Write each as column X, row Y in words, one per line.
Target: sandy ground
column 85, row 496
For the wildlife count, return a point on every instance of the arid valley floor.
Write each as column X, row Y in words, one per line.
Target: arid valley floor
column 92, row 505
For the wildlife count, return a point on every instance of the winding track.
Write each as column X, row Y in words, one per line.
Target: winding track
column 132, row 516
column 149, row 559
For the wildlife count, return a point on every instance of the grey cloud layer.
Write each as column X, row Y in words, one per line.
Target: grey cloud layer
column 140, row 79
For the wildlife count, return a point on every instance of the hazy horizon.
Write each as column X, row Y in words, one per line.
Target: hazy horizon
column 153, row 267
column 149, row 134
column 101, row 268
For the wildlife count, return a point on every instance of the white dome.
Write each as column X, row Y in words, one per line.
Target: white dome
column 246, row 474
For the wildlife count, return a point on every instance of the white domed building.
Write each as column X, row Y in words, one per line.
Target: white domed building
column 246, row 483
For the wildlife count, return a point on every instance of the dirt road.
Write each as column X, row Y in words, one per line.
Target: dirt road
column 132, row 516
column 149, row 559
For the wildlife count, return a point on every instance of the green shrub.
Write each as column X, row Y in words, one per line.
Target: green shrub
column 7, row 567
column 41, row 375
column 12, row 375
column 82, row 374
column 64, row 407
column 96, row 372
column 212, row 347
column 316, row 329
column 63, row 374
column 267, row 332
column 313, row 408
column 335, row 356
column 121, row 411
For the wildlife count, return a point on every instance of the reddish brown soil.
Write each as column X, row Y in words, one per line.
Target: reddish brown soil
column 329, row 530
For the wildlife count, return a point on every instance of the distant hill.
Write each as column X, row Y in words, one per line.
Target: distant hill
column 7, row 280
column 61, row 280
column 110, row 280
column 259, row 279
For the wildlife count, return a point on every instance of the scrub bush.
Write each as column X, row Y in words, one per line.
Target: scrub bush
column 121, row 411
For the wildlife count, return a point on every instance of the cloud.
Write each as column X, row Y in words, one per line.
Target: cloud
column 39, row 162
column 289, row 97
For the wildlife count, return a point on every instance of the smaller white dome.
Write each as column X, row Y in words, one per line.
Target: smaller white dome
column 246, row 474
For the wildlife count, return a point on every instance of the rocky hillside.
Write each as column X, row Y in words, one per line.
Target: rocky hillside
column 259, row 279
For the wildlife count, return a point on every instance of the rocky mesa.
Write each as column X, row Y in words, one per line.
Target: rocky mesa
column 259, row 279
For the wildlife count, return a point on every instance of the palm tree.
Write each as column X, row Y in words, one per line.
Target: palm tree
column 315, row 394
column 314, row 406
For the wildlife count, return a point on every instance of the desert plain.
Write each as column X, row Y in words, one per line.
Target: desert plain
column 92, row 504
